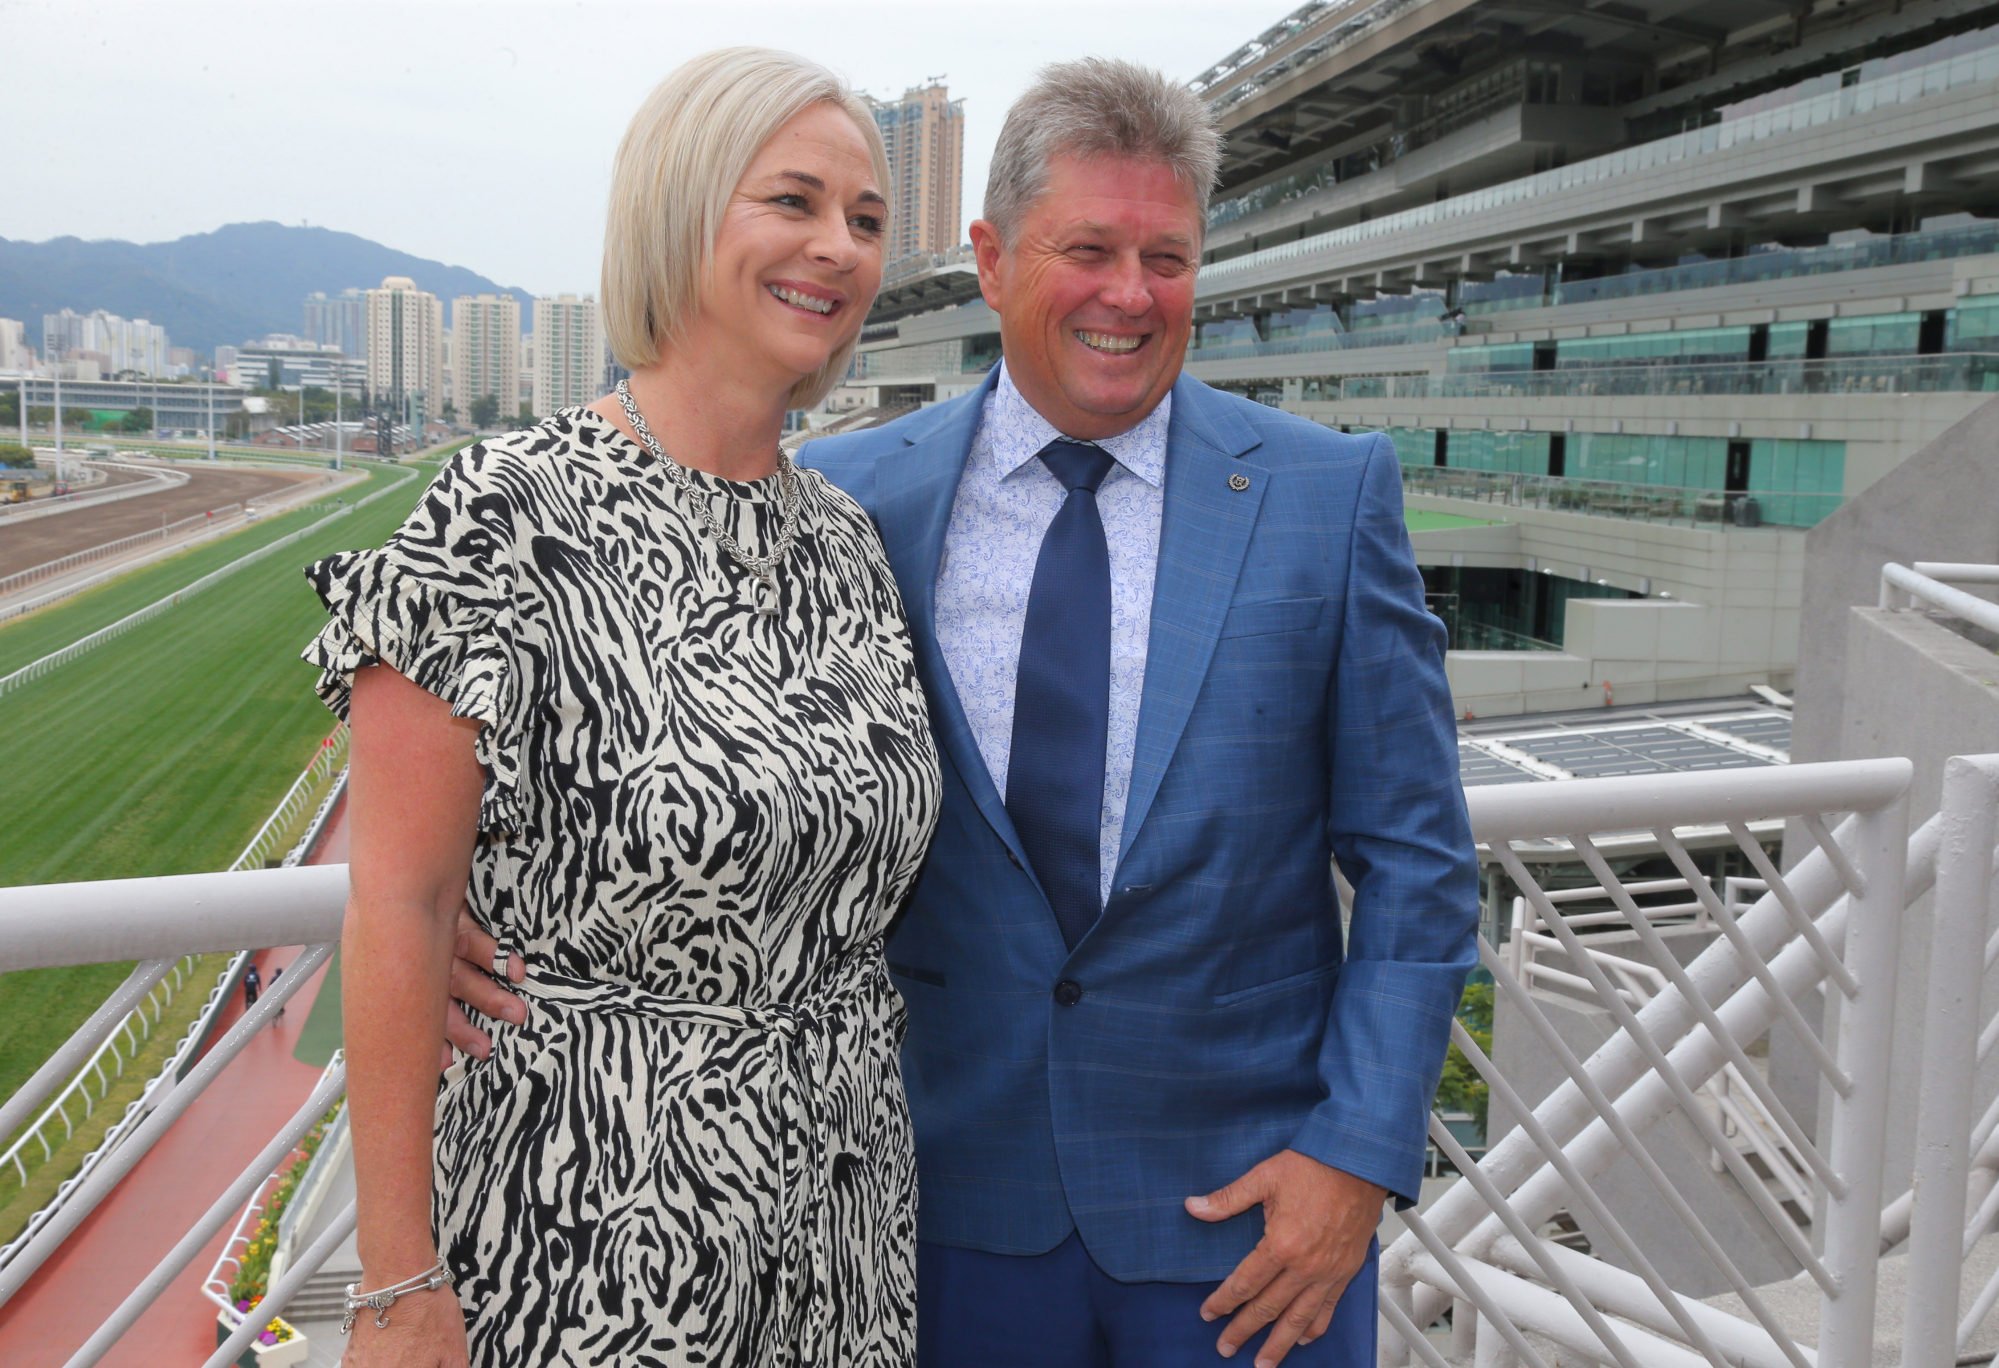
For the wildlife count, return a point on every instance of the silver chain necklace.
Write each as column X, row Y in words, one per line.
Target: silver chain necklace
column 762, row 568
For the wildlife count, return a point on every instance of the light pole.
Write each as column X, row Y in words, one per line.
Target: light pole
column 339, row 387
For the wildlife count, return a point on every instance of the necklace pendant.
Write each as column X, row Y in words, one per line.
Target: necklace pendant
column 764, row 595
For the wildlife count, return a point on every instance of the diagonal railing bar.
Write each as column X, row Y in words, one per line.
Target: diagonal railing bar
column 332, row 1084
column 1440, row 1134
column 81, row 1046
column 120, row 1161
column 1675, row 974
column 1759, row 1196
column 1752, row 848
column 1980, row 1222
column 1580, row 1105
column 1849, row 874
column 1470, row 1288
column 1737, row 1342
column 1414, row 1339
column 1573, row 1181
column 1731, row 928
column 286, row 1287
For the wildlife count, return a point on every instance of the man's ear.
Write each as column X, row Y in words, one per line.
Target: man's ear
column 986, row 250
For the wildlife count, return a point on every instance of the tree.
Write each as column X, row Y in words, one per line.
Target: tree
column 485, row 411
column 138, row 420
column 1461, row 1088
column 15, row 456
column 10, row 406
column 76, row 418
column 450, row 411
column 41, row 415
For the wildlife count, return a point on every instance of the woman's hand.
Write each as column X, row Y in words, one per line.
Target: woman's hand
column 425, row 1330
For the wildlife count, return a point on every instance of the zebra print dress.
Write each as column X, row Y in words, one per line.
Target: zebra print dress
column 697, row 824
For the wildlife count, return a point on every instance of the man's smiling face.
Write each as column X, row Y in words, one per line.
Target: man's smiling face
column 1095, row 291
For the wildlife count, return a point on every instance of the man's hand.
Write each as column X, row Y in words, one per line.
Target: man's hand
column 1316, row 1225
column 473, row 984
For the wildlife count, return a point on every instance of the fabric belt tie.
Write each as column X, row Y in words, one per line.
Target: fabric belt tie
column 1062, row 697
column 798, row 1066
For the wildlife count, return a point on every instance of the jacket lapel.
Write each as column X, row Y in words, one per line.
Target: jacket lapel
column 914, row 490
column 1204, row 532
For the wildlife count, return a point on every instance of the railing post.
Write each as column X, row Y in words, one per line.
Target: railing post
column 1952, row 1016
column 1860, row 1118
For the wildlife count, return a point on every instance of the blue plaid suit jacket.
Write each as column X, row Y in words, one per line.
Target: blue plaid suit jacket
column 1295, row 710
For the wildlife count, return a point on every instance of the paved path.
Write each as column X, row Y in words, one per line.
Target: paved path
column 134, row 1227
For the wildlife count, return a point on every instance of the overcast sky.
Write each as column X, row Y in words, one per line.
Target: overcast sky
column 476, row 133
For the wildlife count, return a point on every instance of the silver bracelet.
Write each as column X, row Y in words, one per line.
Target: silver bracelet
column 380, row 1300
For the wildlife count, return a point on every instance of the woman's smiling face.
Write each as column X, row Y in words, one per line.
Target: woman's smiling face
column 798, row 254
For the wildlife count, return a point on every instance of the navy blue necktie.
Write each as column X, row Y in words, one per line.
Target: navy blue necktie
column 1062, row 697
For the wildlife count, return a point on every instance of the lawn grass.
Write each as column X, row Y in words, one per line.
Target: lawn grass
column 160, row 752
column 29, row 638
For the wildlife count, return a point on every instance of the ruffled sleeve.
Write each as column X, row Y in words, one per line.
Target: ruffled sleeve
column 442, row 621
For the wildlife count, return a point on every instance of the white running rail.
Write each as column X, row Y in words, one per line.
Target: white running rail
column 34, row 574
column 56, row 659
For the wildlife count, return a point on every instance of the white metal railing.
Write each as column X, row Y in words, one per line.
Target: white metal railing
column 1743, row 1102
column 1953, row 1199
column 1931, row 584
column 229, row 1261
column 34, row 574
column 90, row 498
column 36, row 669
column 1478, row 1255
column 123, row 1019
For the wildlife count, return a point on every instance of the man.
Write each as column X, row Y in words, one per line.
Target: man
column 1177, row 660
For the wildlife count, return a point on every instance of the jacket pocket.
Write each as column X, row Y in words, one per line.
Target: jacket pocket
column 1265, row 617
column 1290, row 983
column 915, row 975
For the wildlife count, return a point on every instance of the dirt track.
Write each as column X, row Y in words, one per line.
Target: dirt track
column 44, row 539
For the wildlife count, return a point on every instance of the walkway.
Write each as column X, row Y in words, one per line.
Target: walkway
column 134, row 1227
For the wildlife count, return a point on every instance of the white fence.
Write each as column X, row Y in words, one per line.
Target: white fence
column 89, row 498
column 75, row 560
column 56, row 659
column 120, row 1028
column 1477, row 1268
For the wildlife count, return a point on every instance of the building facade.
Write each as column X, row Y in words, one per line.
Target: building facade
column 339, row 321
column 486, row 353
column 282, row 361
column 924, row 134
column 568, row 352
column 114, row 345
column 406, row 347
column 16, row 356
column 1640, row 299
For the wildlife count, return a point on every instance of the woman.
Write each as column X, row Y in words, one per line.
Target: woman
column 648, row 688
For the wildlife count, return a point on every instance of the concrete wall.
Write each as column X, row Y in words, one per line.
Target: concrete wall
column 1721, row 612
column 1942, row 504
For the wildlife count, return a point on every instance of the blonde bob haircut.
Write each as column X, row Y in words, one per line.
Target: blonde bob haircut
column 681, row 159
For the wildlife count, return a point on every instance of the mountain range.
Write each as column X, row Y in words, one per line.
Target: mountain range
column 209, row 289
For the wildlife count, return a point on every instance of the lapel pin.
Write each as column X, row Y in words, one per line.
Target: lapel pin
column 1238, row 483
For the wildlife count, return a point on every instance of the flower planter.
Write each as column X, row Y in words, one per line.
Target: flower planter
column 284, row 1354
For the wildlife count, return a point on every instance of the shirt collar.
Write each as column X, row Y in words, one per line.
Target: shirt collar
column 1018, row 432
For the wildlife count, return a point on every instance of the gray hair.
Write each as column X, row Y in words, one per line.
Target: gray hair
column 1099, row 107
column 686, row 148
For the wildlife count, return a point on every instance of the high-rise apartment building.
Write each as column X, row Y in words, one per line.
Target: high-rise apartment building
column 15, row 353
column 568, row 352
column 338, row 320
column 406, row 345
column 485, row 352
column 924, row 133
column 117, row 345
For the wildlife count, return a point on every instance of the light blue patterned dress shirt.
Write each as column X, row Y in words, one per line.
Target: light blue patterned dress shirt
column 1005, row 501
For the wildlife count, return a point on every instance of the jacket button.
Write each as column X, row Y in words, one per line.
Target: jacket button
column 1068, row 992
